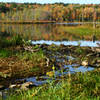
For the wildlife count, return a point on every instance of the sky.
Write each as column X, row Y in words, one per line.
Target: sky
column 53, row 1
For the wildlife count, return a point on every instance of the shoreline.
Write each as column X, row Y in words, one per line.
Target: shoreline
column 46, row 22
column 27, row 22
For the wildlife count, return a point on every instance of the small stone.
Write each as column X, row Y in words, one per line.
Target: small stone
column 98, row 61
column 26, row 85
column 12, row 86
column 85, row 63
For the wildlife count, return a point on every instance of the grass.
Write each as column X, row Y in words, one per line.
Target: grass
column 23, row 64
column 31, row 55
column 82, row 30
column 79, row 86
column 5, row 53
column 85, row 31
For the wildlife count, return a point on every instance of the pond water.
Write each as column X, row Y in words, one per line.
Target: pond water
column 55, row 32
column 74, row 43
column 67, row 69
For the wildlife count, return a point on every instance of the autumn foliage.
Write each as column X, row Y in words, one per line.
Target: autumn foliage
column 51, row 12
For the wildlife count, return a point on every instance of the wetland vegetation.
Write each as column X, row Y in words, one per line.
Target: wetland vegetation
column 20, row 59
column 54, row 61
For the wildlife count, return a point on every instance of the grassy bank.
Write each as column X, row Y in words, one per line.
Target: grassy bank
column 83, row 31
column 79, row 86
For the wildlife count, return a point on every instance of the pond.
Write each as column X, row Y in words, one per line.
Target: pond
column 57, row 34
column 74, row 43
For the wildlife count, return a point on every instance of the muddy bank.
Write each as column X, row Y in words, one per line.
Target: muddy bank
column 37, row 60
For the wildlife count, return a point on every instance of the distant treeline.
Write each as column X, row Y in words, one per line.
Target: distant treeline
column 49, row 12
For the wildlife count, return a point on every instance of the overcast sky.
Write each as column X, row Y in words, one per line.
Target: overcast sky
column 53, row 1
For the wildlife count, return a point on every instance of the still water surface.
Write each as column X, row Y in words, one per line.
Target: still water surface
column 53, row 32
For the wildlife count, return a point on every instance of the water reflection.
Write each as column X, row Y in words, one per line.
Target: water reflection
column 70, row 68
column 34, row 80
column 47, row 31
column 74, row 43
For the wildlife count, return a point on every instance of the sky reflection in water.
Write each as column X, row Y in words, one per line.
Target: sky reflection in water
column 74, row 43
